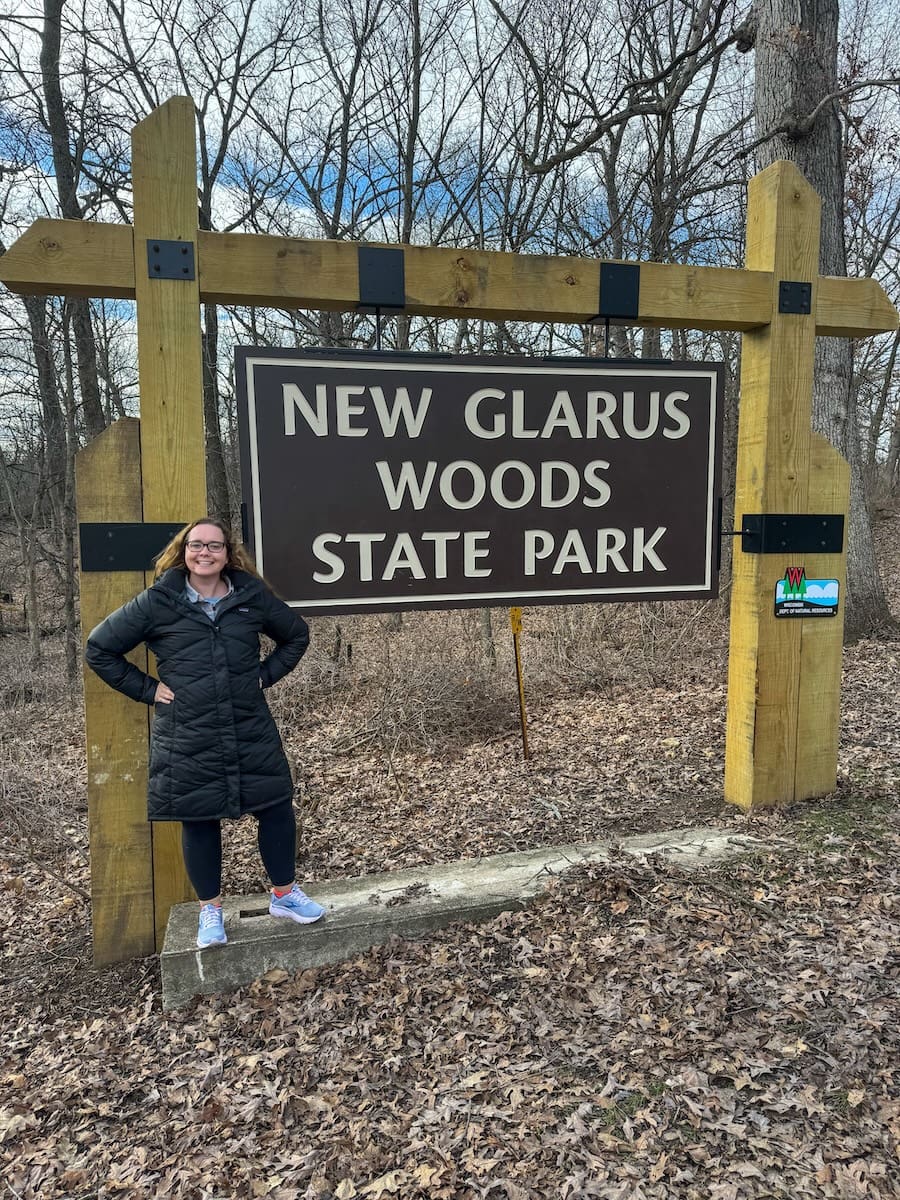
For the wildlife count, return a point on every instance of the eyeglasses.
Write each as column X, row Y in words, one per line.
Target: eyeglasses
column 212, row 547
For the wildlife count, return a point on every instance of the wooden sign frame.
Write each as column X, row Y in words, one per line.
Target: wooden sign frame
column 784, row 677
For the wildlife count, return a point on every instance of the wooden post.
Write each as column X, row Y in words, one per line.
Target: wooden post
column 784, row 675
column 164, row 174
column 822, row 642
column 778, row 666
column 515, row 622
column 108, row 473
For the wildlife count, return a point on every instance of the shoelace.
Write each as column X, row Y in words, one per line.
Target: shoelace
column 209, row 916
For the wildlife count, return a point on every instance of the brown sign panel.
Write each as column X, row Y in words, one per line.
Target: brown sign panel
column 381, row 482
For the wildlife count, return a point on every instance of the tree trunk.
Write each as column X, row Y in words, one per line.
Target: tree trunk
column 796, row 69
column 877, row 426
column 64, row 168
column 218, row 500
column 70, row 586
column 486, row 628
column 27, row 536
column 51, row 413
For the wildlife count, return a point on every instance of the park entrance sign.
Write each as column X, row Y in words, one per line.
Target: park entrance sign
column 783, row 717
column 381, row 482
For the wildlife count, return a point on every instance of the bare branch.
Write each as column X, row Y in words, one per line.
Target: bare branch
column 799, row 127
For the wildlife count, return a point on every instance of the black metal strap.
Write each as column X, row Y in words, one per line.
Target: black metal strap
column 170, row 260
column 620, row 291
column 790, row 533
column 123, row 545
column 382, row 279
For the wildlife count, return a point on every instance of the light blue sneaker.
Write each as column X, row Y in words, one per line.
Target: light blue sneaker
column 297, row 906
column 212, row 927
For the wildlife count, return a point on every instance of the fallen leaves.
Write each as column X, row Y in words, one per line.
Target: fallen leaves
column 639, row 1034
column 567, row 1050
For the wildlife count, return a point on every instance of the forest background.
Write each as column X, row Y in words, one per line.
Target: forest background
column 621, row 130
column 640, row 1034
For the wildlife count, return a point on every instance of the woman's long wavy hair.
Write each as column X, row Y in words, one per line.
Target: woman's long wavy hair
column 172, row 555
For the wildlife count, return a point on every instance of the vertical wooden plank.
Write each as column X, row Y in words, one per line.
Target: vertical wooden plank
column 164, row 174
column 783, row 218
column 108, row 488
column 822, row 640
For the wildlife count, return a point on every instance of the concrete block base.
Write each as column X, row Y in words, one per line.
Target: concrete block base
column 370, row 909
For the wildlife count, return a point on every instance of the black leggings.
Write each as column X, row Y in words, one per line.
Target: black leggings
column 201, row 844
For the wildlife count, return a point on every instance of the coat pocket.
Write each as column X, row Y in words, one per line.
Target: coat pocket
column 162, row 736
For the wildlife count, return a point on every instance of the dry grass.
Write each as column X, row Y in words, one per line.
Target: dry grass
column 758, row 998
column 391, row 723
column 42, row 770
column 435, row 680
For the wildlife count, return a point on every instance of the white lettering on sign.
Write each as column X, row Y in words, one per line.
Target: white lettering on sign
column 485, row 417
column 448, row 485
column 463, row 484
column 390, row 415
column 365, row 541
column 440, row 541
column 607, row 550
column 295, row 401
column 407, row 480
column 403, row 557
column 428, row 560
column 365, row 470
column 682, row 420
column 472, row 552
column 389, row 418
column 561, row 416
column 346, row 410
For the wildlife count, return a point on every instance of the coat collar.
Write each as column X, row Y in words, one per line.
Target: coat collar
column 172, row 581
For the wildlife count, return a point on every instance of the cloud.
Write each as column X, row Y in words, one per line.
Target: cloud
column 828, row 592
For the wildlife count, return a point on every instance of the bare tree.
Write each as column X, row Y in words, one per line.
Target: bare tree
column 610, row 131
column 66, row 168
column 798, row 118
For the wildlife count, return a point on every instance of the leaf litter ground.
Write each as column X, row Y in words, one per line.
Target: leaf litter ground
column 640, row 1032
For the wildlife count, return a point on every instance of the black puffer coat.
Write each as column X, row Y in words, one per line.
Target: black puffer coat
column 215, row 750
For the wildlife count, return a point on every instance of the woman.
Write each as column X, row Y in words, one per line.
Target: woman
column 215, row 750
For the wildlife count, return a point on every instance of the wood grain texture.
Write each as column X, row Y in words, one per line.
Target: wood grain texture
column 164, row 166
column 116, row 729
column 853, row 308
column 81, row 258
column 822, row 640
column 296, row 273
column 763, row 763
column 71, row 258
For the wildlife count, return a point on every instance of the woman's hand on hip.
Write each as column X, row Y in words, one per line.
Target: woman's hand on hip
column 164, row 694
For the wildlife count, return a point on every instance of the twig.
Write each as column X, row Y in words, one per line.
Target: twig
column 744, row 900
column 401, row 787
column 50, row 870
column 797, row 127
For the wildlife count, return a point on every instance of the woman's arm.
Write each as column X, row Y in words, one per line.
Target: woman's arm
column 290, row 634
column 108, row 644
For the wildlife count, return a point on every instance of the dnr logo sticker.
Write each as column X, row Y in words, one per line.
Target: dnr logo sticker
column 797, row 596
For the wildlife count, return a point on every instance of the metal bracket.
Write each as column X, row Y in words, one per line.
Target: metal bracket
column 123, row 545
column 795, row 297
column 382, row 279
column 170, row 260
column 620, row 291
column 792, row 533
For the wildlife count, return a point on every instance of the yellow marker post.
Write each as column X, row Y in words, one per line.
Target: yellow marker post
column 515, row 622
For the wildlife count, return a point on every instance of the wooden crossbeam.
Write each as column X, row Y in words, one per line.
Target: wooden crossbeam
column 784, row 677
column 81, row 258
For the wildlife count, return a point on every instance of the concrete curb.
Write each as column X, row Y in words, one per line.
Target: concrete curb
column 370, row 909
